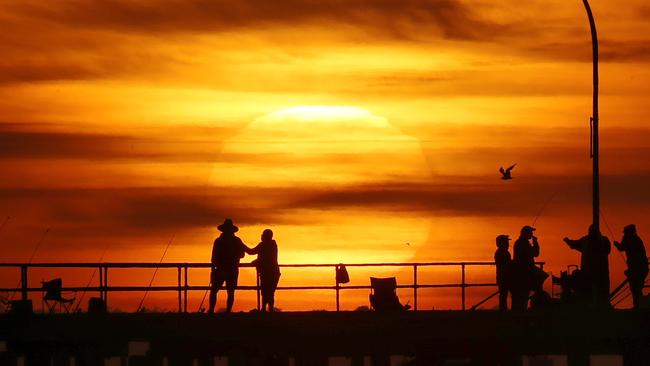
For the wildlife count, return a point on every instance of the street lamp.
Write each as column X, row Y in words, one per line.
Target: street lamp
column 594, row 123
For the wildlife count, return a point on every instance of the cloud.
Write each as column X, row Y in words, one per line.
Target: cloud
column 452, row 19
column 173, row 144
column 130, row 210
column 611, row 50
column 136, row 210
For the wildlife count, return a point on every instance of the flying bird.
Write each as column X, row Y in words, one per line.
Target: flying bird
column 506, row 174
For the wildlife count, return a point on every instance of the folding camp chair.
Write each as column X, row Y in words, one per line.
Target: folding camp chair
column 383, row 295
column 53, row 296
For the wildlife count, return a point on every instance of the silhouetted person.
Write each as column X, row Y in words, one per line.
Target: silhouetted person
column 503, row 263
column 227, row 250
column 267, row 268
column 594, row 265
column 523, row 268
column 637, row 261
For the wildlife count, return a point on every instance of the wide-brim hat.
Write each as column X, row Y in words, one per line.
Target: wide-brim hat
column 228, row 227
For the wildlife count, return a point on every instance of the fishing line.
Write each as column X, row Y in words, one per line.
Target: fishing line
column 38, row 245
column 629, row 293
column 602, row 215
column 154, row 272
column 539, row 213
column 92, row 276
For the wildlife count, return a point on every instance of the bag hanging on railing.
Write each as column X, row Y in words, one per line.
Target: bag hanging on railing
column 342, row 274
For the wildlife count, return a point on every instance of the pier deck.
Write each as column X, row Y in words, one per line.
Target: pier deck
column 312, row 337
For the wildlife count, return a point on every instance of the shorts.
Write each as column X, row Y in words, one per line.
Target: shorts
column 220, row 275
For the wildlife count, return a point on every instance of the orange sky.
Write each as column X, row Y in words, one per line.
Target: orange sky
column 350, row 128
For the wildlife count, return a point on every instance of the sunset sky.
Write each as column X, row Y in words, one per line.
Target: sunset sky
column 350, row 128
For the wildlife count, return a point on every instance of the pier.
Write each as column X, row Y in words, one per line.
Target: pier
column 468, row 336
column 316, row 338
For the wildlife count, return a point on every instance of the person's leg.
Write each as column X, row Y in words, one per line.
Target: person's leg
column 272, row 289
column 231, row 299
column 215, row 283
column 213, row 299
column 231, row 285
column 520, row 300
column 503, row 298
column 516, row 300
column 263, row 291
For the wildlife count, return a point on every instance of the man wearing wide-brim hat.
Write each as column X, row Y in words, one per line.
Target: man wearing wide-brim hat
column 227, row 250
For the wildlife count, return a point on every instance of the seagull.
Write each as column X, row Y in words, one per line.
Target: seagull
column 505, row 174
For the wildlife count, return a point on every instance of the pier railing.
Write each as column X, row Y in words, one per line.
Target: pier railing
column 182, row 287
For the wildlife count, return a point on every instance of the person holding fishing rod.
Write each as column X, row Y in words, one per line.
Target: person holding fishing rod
column 637, row 262
column 227, row 251
column 594, row 251
column 523, row 268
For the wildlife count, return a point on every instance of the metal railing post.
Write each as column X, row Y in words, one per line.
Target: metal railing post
column 180, row 290
column 338, row 288
column 257, row 289
column 415, row 287
column 462, row 286
column 100, row 270
column 185, row 289
column 23, row 282
column 106, row 286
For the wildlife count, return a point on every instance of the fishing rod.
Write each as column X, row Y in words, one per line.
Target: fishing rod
column 154, row 273
column 204, row 295
column 92, row 276
column 38, row 245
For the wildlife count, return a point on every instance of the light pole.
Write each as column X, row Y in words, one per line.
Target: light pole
column 594, row 123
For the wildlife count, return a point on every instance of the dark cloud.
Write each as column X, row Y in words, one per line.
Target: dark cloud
column 132, row 210
column 479, row 196
column 136, row 210
column 580, row 51
column 644, row 11
column 452, row 19
column 166, row 144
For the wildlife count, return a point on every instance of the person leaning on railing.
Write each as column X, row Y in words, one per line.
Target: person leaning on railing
column 267, row 268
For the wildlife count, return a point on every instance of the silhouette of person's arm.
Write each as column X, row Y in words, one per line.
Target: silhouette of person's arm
column 252, row 251
column 620, row 246
column 535, row 250
column 573, row 244
column 243, row 249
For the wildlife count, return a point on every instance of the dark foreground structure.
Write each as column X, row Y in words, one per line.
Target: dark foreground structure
column 310, row 338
